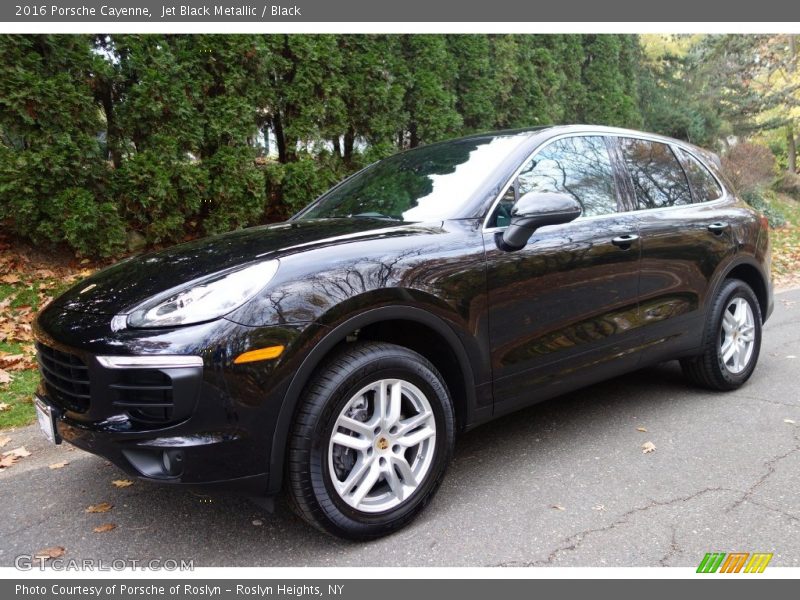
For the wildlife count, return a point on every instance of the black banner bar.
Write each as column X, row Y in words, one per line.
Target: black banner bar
column 462, row 11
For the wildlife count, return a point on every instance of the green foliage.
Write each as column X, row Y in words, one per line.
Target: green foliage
column 763, row 201
column 106, row 137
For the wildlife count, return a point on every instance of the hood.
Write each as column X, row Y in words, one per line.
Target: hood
column 121, row 287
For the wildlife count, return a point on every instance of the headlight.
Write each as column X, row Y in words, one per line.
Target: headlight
column 204, row 300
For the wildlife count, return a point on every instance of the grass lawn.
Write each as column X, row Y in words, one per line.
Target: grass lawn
column 29, row 279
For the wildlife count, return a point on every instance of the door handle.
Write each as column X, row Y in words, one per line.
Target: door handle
column 718, row 227
column 625, row 241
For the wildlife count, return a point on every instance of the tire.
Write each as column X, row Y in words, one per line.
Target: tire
column 718, row 370
column 369, row 481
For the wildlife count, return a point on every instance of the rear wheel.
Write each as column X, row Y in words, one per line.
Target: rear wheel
column 732, row 340
column 370, row 442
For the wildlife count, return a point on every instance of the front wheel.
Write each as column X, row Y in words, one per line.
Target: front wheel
column 733, row 340
column 370, row 442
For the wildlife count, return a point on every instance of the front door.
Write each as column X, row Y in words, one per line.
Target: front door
column 564, row 309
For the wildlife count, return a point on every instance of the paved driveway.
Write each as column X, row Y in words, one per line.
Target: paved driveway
column 564, row 483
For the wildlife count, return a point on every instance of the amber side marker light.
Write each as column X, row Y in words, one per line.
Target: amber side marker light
column 260, row 354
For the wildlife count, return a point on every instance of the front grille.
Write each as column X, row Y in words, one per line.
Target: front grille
column 145, row 394
column 66, row 378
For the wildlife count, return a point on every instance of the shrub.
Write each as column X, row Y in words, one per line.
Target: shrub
column 760, row 200
column 235, row 196
column 158, row 192
column 789, row 184
column 749, row 166
column 302, row 181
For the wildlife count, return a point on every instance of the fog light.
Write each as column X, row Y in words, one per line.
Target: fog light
column 173, row 462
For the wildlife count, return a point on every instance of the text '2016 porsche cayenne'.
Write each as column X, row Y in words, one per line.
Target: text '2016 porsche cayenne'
column 336, row 356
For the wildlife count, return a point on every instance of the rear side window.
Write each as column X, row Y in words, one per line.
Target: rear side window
column 578, row 166
column 704, row 186
column 657, row 176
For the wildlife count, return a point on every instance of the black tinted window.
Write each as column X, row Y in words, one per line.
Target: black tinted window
column 657, row 176
column 578, row 166
column 429, row 183
column 704, row 186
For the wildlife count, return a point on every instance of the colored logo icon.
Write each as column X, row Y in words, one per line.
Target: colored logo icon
column 734, row 562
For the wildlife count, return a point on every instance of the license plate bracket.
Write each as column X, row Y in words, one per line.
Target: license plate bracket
column 46, row 415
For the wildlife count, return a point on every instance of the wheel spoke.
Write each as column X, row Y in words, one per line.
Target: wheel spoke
column 728, row 349
column 354, row 477
column 413, row 422
column 409, row 479
column 728, row 322
column 741, row 311
column 349, row 441
column 366, row 484
column 355, row 426
column 737, row 357
column 397, row 486
column 417, row 436
column 395, row 404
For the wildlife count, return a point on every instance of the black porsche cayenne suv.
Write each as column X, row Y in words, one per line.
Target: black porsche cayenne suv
column 336, row 355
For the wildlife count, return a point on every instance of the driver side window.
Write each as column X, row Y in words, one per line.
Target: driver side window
column 578, row 166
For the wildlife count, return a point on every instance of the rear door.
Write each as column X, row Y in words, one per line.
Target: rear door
column 563, row 309
column 684, row 237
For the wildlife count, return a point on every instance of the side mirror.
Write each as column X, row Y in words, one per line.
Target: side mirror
column 534, row 210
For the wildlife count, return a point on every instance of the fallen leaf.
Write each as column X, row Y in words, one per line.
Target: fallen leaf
column 20, row 452
column 59, row 465
column 122, row 483
column 558, row 507
column 648, row 447
column 10, row 278
column 48, row 553
column 789, row 421
column 8, row 461
column 5, row 377
column 103, row 507
column 642, row 429
column 4, row 406
column 4, row 441
column 106, row 527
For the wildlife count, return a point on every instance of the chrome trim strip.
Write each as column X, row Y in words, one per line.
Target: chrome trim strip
column 150, row 362
column 608, row 133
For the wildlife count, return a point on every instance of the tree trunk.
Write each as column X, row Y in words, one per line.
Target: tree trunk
column 349, row 143
column 280, row 139
column 791, row 150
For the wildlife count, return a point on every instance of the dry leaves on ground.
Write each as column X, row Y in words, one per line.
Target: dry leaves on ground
column 4, row 406
column 48, row 553
column 648, row 447
column 122, row 483
column 106, row 527
column 20, row 452
column 103, row 507
column 8, row 461
column 4, row 440
column 59, row 465
column 5, row 377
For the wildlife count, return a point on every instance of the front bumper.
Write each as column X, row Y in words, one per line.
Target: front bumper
column 184, row 414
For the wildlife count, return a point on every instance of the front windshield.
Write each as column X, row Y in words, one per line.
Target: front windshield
column 425, row 184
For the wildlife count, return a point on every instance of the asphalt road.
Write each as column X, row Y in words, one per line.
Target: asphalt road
column 723, row 477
